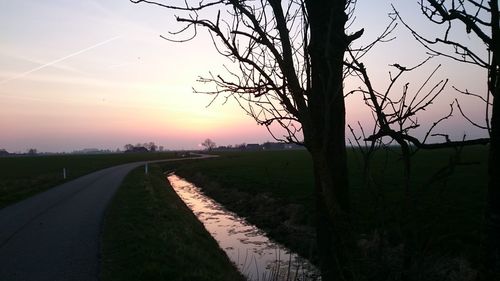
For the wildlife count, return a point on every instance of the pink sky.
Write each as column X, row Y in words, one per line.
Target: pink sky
column 81, row 74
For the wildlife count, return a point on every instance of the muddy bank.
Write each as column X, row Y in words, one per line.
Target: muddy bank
column 284, row 222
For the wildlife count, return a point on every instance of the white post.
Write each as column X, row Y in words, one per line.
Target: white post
column 64, row 173
column 146, row 168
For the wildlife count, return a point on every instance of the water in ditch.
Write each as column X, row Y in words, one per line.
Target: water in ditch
column 255, row 255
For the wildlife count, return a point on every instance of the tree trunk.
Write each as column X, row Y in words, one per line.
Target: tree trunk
column 332, row 200
column 493, row 197
column 324, row 136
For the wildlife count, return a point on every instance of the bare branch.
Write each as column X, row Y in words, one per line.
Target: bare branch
column 199, row 7
column 467, row 118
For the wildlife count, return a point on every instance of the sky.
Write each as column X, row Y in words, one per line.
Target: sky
column 96, row 74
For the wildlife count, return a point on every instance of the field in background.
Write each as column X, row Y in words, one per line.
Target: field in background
column 445, row 211
column 21, row 177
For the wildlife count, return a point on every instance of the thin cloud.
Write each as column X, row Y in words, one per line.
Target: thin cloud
column 59, row 60
column 30, row 60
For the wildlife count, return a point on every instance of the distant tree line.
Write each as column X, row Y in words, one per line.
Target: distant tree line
column 31, row 151
column 143, row 147
column 209, row 145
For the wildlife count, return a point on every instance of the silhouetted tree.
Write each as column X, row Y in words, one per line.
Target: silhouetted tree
column 289, row 71
column 481, row 19
column 208, row 144
column 151, row 146
column 396, row 117
column 128, row 147
column 3, row 152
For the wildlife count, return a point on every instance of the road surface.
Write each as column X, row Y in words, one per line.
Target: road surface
column 55, row 235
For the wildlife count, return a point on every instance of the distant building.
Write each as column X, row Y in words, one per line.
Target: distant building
column 268, row 146
column 89, row 151
column 273, row 146
column 137, row 149
column 253, row 146
column 221, row 148
column 4, row 152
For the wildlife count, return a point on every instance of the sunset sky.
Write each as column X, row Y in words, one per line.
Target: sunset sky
column 96, row 74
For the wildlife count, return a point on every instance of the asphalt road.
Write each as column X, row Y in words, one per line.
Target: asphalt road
column 55, row 235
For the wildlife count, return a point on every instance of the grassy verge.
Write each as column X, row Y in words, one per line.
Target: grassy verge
column 446, row 215
column 149, row 234
column 273, row 190
column 21, row 177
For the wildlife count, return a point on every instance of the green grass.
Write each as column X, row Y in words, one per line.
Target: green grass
column 21, row 177
column 285, row 174
column 446, row 215
column 149, row 234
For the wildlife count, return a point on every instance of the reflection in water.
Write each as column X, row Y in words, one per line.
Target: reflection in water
column 257, row 257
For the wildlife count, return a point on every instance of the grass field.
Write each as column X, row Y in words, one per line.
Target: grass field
column 149, row 234
column 444, row 216
column 21, row 177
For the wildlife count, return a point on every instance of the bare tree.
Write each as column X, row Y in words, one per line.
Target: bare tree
column 151, row 146
column 396, row 116
column 481, row 20
column 289, row 70
column 208, row 144
column 128, row 147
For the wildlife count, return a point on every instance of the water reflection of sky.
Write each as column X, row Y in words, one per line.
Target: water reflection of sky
column 255, row 255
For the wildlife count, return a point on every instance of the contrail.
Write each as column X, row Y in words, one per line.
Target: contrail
column 59, row 60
